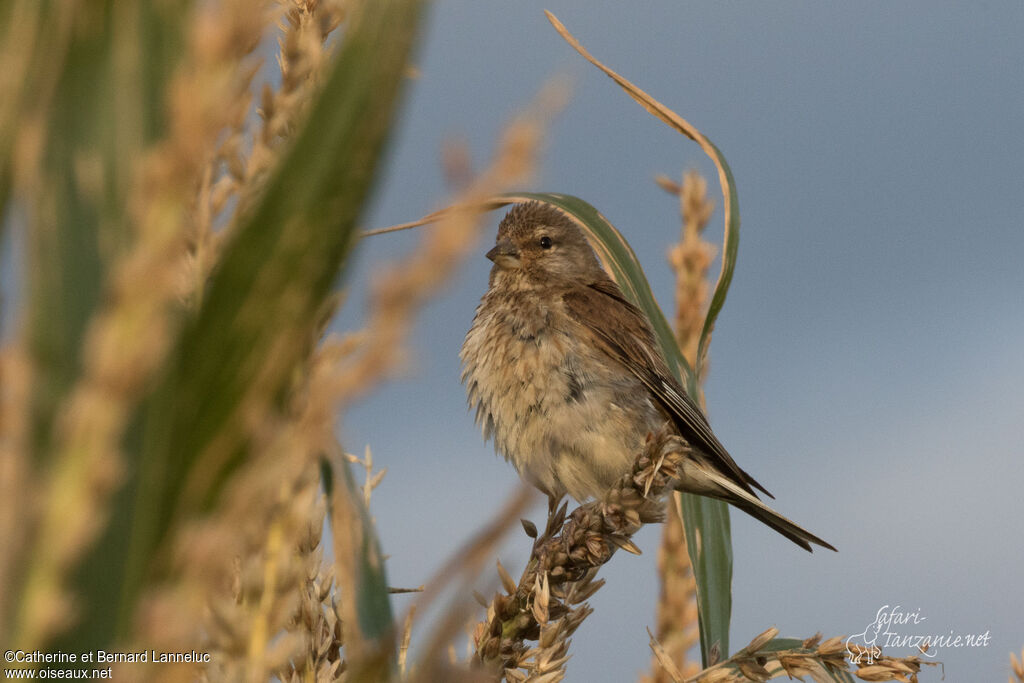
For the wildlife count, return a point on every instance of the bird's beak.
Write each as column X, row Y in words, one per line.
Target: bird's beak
column 504, row 254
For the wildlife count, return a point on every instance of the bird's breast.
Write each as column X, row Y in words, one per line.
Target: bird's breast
column 513, row 357
column 567, row 419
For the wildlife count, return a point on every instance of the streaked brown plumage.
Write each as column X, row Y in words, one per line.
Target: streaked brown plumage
column 567, row 378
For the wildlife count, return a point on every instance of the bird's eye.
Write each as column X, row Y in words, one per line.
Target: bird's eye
column 545, row 242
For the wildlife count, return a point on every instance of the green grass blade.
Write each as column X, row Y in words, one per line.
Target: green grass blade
column 74, row 209
column 92, row 103
column 235, row 359
column 706, row 521
column 709, row 543
column 19, row 30
column 373, row 606
column 730, row 250
column 102, row 112
column 359, row 571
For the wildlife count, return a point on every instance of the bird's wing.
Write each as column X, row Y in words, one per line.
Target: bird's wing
column 624, row 333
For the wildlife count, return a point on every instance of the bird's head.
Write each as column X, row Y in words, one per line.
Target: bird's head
column 541, row 244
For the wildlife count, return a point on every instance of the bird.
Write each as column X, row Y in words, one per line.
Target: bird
column 566, row 377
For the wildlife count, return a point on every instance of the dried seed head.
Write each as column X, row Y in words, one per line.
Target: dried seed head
column 762, row 639
column 506, row 579
column 529, row 527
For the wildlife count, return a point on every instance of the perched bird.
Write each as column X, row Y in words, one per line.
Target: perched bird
column 567, row 378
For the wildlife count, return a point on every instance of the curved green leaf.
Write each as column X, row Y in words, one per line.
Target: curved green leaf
column 730, row 204
column 730, row 250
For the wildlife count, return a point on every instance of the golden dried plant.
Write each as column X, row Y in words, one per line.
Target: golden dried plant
column 756, row 662
column 248, row 580
column 128, row 337
column 564, row 562
column 690, row 260
column 1017, row 668
column 676, row 614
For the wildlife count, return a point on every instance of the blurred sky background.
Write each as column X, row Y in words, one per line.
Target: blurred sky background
column 868, row 364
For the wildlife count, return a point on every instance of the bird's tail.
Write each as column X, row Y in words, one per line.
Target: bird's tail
column 703, row 479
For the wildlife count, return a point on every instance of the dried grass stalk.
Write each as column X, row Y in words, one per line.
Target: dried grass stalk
column 676, row 612
column 549, row 601
column 232, row 174
column 690, row 260
column 15, row 489
column 261, row 603
column 463, row 567
column 303, row 51
column 128, row 336
column 252, row 584
column 1017, row 668
column 814, row 658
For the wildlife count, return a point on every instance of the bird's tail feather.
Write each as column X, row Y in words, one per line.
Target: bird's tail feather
column 788, row 528
column 700, row 478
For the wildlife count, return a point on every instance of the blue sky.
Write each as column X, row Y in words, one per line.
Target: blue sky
column 867, row 365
